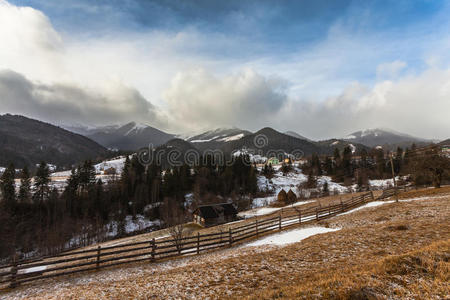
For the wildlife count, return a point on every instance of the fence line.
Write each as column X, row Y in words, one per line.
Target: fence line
column 391, row 191
column 153, row 250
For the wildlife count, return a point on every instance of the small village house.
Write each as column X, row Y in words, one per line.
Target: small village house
column 214, row 214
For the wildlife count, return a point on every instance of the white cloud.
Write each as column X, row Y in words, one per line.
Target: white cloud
column 391, row 69
column 418, row 105
column 172, row 81
column 198, row 100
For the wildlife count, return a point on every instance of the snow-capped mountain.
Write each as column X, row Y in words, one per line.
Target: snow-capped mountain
column 221, row 135
column 383, row 137
column 131, row 136
column 296, row 135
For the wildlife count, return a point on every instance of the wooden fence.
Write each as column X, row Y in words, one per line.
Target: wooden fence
column 160, row 249
column 390, row 192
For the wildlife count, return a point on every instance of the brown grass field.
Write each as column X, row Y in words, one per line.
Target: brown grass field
column 393, row 251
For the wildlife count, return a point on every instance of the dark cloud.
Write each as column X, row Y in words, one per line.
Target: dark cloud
column 71, row 104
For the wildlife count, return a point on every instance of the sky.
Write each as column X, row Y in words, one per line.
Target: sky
column 320, row 68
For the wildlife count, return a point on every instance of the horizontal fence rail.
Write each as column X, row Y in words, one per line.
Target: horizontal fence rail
column 390, row 192
column 159, row 249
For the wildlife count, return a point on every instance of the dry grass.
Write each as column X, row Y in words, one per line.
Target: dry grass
column 419, row 274
column 425, row 192
column 374, row 256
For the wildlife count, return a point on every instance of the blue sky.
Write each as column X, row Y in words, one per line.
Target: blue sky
column 311, row 58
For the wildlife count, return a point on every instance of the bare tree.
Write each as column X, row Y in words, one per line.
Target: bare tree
column 174, row 218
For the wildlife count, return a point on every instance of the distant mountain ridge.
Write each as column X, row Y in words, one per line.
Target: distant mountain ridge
column 130, row 136
column 296, row 135
column 386, row 138
column 27, row 142
column 268, row 140
column 219, row 135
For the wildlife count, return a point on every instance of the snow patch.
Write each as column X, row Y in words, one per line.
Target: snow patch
column 136, row 128
column 291, row 236
column 32, row 270
column 370, row 204
column 232, row 138
column 352, row 147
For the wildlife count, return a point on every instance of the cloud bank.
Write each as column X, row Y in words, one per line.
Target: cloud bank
column 188, row 80
column 69, row 104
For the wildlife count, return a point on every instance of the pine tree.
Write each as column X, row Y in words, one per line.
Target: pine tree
column 312, row 181
column 337, row 156
column 41, row 181
column 7, row 187
column 398, row 162
column 329, row 166
column 316, row 165
column 25, row 186
column 380, row 162
column 347, row 161
column 325, row 189
column 86, row 175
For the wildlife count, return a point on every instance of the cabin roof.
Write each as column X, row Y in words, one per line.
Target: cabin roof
column 212, row 211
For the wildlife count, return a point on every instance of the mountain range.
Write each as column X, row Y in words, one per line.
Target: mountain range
column 130, row 136
column 386, row 138
column 26, row 141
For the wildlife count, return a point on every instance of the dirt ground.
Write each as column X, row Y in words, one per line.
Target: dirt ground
column 392, row 251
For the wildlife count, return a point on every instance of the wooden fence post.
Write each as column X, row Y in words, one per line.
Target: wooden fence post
column 342, row 206
column 279, row 222
column 198, row 242
column 98, row 257
column 153, row 242
column 371, row 195
column 230, row 236
column 317, row 215
column 13, row 283
column 256, row 225
column 299, row 217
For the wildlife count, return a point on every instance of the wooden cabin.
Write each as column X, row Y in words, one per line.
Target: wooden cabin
column 215, row 214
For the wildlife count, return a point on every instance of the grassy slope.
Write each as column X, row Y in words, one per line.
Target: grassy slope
column 397, row 249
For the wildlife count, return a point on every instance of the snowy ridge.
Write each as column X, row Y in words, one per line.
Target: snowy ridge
column 232, row 138
column 222, row 135
column 136, row 128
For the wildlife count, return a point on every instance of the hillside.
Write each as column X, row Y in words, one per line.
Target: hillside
column 217, row 138
column 388, row 139
column 176, row 152
column 267, row 141
column 369, row 253
column 131, row 136
column 331, row 144
column 296, row 135
column 25, row 141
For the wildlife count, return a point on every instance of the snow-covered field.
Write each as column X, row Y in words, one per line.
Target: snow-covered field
column 132, row 224
column 290, row 181
column 291, row 236
column 267, row 210
column 117, row 164
column 370, row 204
column 100, row 168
